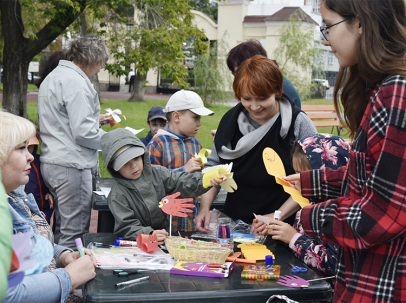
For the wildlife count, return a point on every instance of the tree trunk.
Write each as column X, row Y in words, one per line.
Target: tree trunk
column 138, row 89
column 84, row 32
column 18, row 50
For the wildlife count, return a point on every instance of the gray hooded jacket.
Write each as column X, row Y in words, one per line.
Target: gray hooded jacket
column 135, row 203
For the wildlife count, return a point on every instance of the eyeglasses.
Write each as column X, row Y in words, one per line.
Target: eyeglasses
column 323, row 29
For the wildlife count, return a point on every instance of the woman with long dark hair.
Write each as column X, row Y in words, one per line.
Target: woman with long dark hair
column 368, row 221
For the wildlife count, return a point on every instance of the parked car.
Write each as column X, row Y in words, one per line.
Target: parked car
column 323, row 82
column 29, row 77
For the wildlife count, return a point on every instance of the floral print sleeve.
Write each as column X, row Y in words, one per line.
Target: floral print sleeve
column 314, row 252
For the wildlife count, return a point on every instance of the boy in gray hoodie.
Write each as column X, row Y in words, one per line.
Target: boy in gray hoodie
column 139, row 186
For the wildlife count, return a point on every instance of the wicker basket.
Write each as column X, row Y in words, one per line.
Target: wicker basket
column 196, row 251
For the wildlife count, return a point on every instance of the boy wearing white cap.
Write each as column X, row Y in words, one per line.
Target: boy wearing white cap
column 139, row 186
column 176, row 146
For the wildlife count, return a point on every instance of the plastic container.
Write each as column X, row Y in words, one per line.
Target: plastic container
column 224, row 233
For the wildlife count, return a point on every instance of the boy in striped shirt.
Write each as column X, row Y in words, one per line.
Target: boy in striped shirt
column 176, row 146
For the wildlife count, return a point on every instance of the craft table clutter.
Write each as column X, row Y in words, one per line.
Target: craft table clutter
column 161, row 286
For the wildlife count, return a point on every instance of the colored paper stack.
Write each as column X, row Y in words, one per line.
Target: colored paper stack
column 255, row 251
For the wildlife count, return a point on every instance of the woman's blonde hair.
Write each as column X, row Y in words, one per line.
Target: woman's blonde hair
column 14, row 130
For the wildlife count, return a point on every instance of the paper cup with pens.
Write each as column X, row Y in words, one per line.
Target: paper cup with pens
column 224, row 233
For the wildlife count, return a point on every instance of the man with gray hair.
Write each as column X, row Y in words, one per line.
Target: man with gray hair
column 68, row 116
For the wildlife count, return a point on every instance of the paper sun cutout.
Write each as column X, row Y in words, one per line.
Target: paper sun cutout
column 202, row 156
column 229, row 185
column 115, row 115
column 274, row 167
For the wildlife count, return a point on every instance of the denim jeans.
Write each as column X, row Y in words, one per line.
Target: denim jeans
column 72, row 191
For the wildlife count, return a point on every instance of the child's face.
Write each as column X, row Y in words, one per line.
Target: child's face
column 133, row 168
column 188, row 123
column 156, row 124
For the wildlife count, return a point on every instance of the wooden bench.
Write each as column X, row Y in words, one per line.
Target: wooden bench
column 323, row 115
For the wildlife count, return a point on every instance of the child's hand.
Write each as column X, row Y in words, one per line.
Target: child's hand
column 161, row 234
column 50, row 199
column 216, row 182
column 105, row 119
column 294, row 180
column 193, row 165
column 281, row 231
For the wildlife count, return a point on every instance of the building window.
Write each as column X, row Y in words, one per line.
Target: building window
column 316, row 6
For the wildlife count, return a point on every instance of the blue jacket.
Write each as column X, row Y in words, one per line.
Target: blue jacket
column 146, row 139
column 291, row 92
column 51, row 286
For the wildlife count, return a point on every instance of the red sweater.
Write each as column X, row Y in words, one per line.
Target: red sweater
column 368, row 222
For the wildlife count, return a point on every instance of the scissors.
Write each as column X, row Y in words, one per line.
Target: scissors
column 127, row 272
column 297, row 269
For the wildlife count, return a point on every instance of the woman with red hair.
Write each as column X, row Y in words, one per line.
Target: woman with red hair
column 263, row 118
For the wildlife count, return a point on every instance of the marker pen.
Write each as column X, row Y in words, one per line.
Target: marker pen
column 79, row 246
column 125, row 243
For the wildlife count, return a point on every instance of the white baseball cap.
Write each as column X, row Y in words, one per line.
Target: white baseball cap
column 125, row 154
column 186, row 99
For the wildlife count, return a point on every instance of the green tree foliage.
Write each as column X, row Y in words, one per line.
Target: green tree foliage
column 297, row 55
column 154, row 41
column 27, row 27
column 211, row 75
column 205, row 6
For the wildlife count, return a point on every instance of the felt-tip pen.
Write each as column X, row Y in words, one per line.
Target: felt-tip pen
column 132, row 281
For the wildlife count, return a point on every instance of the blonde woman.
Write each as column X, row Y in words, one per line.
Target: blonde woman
column 71, row 271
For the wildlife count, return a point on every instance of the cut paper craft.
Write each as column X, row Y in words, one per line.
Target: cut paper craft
column 295, row 282
column 177, row 207
column 229, row 185
column 134, row 131
column 274, row 167
column 202, row 156
column 115, row 115
column 148, row 243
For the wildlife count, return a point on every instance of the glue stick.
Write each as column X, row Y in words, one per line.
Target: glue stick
column 277, row 215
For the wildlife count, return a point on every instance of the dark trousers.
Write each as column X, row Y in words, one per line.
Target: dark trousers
column 131, row 83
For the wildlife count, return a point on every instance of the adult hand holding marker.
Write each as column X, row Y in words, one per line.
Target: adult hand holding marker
column 80, row 269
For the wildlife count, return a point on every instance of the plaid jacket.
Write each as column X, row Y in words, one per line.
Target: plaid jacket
column 368, row 221
column 174, row 151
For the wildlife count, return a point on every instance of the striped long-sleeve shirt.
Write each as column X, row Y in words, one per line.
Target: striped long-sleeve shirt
column 174, row 151
column 368, row 222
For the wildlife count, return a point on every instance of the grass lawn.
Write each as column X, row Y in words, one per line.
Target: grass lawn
column 137, row 112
